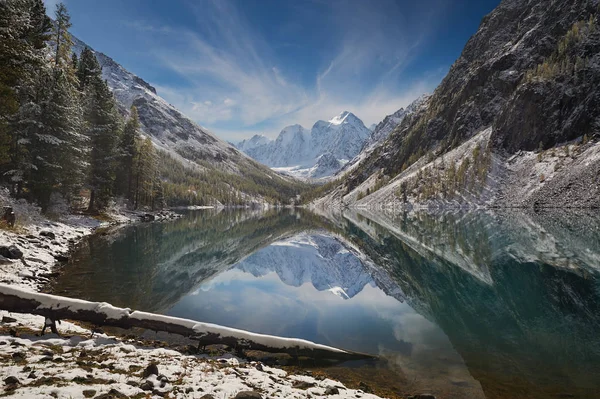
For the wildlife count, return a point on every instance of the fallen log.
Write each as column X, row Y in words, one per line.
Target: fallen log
column 103, row 314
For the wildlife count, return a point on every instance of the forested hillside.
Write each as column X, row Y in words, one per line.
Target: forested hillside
column 65, row 136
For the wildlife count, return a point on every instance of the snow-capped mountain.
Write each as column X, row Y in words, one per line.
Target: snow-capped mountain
column 318, row 259
column 314, row 153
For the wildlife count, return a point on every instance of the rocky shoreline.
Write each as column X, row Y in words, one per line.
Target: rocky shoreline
column 30, row 252
column 103, row 367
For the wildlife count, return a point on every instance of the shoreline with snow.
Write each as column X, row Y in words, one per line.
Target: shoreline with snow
column 76, row 366
column 42, row 244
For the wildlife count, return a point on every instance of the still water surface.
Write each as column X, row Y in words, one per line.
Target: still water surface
column 475, row 305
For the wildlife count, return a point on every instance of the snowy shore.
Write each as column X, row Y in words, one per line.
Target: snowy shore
column 41, row 243
column 77, row 366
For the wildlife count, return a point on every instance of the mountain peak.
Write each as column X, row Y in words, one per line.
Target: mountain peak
column 338, row 120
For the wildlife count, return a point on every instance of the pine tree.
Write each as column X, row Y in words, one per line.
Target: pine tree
column 62, row 38
column 102, row 129
column 87, row 68
column 57, row 146
column 145, row 167
column 24, row 31
column 127, row 155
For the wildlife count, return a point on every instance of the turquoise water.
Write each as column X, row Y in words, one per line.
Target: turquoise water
column 482, row 305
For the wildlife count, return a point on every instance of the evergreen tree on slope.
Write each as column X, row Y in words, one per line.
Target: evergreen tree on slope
column 102, row 127
column 57, row 147
column 127, row 154
column 24, row 32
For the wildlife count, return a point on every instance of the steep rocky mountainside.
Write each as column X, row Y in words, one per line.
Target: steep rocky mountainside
column 194, row 147
column 383, row 129
column 314, row 153
column 530, row 78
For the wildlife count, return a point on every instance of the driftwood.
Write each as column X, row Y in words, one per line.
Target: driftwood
column 55, row 308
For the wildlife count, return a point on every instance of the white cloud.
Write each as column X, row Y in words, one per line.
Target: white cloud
column 236, row 88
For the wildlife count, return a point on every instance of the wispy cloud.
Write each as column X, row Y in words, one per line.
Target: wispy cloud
column 235, row 86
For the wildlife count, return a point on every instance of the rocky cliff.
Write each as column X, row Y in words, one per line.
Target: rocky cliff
column 529, row 78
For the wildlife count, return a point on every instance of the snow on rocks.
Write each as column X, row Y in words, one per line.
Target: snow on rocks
column 74, row 366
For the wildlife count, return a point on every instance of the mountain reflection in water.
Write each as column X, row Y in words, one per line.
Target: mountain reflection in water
column 483, row 305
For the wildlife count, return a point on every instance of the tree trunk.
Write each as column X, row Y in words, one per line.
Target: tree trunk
column 92, row 200
column 102, row 314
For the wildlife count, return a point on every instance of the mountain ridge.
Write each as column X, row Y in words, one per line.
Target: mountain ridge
column 297, row 150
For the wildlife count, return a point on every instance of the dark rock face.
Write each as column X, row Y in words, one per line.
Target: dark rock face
column 489, row 85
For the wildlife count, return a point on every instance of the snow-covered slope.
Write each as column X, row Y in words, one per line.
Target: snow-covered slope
column 318, row 259
column 314, row 153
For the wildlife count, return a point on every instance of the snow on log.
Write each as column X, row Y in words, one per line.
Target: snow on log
column 103, row 314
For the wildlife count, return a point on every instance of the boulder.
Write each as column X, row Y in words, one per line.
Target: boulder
column 147, row 386
column 303, row 384
column 152, row 369
column 11, row 252
column 48, row 233
column 248, row 395
column 12, row 380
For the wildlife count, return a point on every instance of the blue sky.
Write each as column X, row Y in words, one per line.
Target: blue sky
column 240, row 67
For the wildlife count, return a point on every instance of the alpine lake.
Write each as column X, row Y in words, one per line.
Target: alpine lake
column 502, row 304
